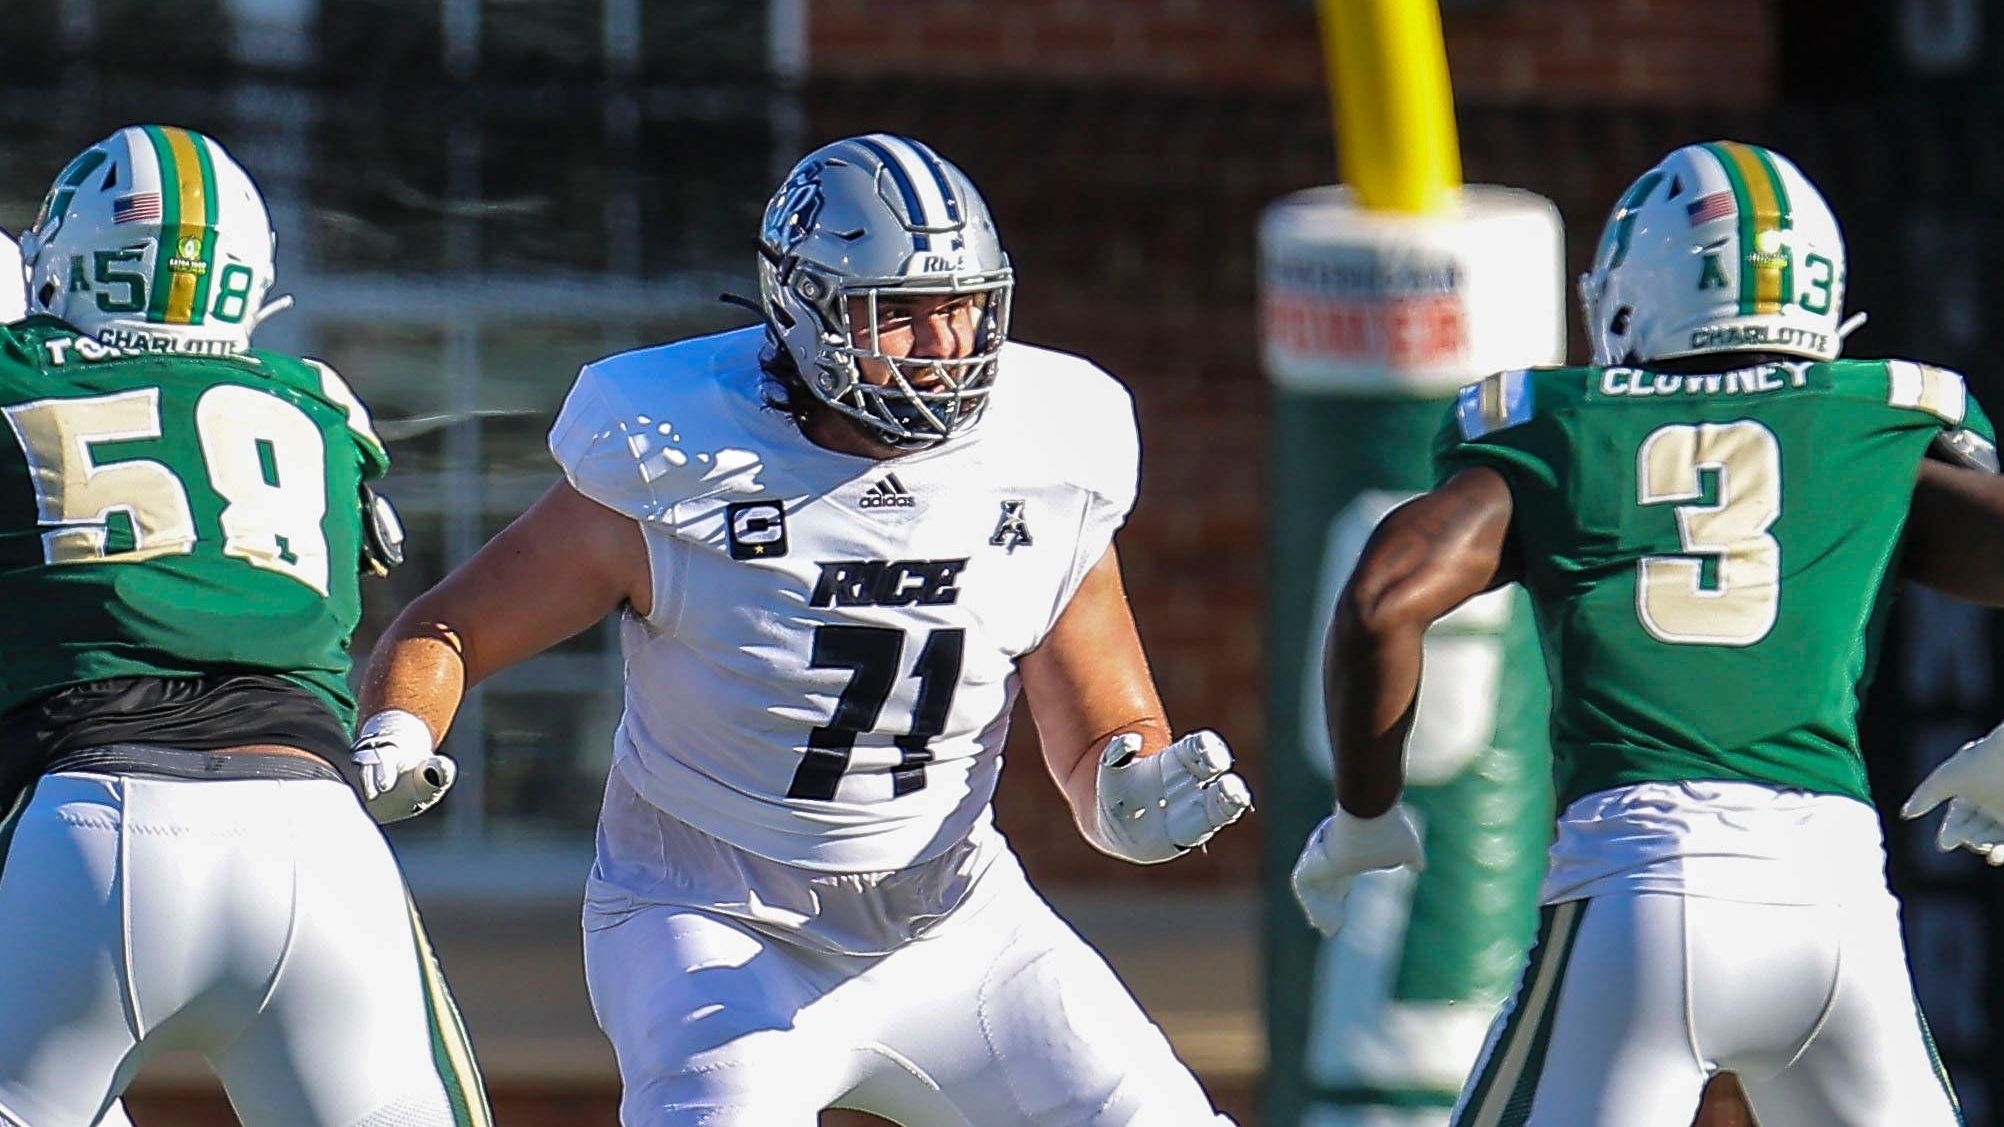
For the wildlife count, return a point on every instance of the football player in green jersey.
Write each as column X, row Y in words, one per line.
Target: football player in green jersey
column 183, row 522
column 1710, row 522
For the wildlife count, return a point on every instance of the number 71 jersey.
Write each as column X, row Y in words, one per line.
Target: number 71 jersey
column 827, row 671
column 1710, row 557
column 176, row 516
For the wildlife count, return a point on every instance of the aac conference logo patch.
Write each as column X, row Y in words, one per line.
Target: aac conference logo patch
column 755, row 530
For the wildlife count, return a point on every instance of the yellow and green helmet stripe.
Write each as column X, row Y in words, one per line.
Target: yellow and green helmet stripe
column 1767, row 281
column 185, row 261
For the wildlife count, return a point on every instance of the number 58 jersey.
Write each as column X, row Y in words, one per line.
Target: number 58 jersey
column 1710, row 557
column 172, row 515
column 827, row 672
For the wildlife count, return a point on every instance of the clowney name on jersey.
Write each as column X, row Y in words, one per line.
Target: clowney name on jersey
column 826, row 678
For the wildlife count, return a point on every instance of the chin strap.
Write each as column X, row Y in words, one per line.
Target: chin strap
column 729, row 298
column 271, row 308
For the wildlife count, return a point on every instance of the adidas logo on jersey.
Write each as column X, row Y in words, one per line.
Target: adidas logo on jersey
column 887, row 493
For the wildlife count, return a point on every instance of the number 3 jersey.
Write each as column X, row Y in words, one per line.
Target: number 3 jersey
column 176, row 516
column 828, row 670
column 1710, row 557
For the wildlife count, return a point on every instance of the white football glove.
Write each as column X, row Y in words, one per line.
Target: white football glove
column 1343, row 846
column 1158, row 807
column 401, row 777
column 1972, row 783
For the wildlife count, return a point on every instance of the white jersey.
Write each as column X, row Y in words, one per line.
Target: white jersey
column 828, row 670
column 13, row 284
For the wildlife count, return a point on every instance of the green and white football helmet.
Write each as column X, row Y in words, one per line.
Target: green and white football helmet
column 154, row 239
column 1722, row 247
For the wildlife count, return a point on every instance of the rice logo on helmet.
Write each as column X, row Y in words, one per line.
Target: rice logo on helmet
column 794, row 208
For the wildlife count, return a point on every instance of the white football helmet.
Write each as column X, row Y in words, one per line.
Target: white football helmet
column 154, row 239
column 1722, row 247
column 869, row 216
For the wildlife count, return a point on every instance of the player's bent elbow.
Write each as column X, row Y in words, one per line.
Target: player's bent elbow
column 423, row 621
column 1373, row 609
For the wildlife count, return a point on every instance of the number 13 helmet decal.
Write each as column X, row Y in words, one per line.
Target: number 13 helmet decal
column 1722, row 247
column 154, row 238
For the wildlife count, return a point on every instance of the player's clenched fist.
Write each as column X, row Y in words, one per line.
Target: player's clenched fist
column 1158, row 807
column 401, row 775
column 1343, row 846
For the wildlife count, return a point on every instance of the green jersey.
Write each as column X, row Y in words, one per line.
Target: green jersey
column 173, row 515
column 1709, row 557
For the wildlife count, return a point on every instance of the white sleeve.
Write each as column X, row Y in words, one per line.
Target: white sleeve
column 13, row 285
column 599, row 442
column 1108, row 472
column 1110, row 496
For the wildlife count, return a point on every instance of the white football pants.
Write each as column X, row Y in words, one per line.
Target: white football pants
column 262, row 923
column 1631, row 1000
column 1000, row 1015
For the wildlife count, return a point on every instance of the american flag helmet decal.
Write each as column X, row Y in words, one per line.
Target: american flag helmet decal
column 140, row 207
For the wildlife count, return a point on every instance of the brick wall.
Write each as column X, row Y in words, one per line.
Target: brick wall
column 1550, row 52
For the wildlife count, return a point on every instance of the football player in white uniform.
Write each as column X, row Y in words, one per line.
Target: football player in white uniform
column 843, row 541
column 182, row 866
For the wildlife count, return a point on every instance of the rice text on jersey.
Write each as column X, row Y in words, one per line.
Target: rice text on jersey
column 887, row 583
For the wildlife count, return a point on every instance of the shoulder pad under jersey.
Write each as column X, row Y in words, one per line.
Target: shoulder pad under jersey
column 1964, row 447
column 318, row 379
column 1496, row 402
column 1966, row 439
column 1072, row 416
column 1940, row 392
column 335, row 390
column 645, row 430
